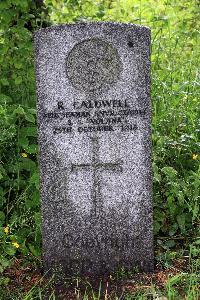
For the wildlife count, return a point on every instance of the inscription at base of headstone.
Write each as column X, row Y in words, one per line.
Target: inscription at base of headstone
column 93, row 88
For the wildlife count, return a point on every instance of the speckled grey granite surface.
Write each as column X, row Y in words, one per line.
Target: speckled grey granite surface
column 93, row 88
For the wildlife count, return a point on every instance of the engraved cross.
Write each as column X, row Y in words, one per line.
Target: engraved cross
column 95, row 166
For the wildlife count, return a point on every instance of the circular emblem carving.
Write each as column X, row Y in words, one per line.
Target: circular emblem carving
column 93, row 64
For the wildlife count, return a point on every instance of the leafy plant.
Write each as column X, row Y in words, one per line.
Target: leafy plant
column 19, row 192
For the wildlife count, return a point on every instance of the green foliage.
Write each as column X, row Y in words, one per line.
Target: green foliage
column 18, row 20
column 19, row 192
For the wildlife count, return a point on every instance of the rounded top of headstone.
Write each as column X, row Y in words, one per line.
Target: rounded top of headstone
column 93, row 64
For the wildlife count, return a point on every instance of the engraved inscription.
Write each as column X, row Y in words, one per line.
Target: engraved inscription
column 95, row 116
column 114, row 242
column 93, row 64
column 95, row 166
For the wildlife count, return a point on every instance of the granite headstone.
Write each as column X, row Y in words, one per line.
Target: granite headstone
column 93, row 89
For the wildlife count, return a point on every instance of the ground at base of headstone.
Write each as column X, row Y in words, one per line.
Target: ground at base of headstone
column 177, row 279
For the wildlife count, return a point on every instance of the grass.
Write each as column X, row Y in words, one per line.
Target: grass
column 176, row 277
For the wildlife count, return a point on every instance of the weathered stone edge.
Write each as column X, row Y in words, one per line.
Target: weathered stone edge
column 84, row 24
